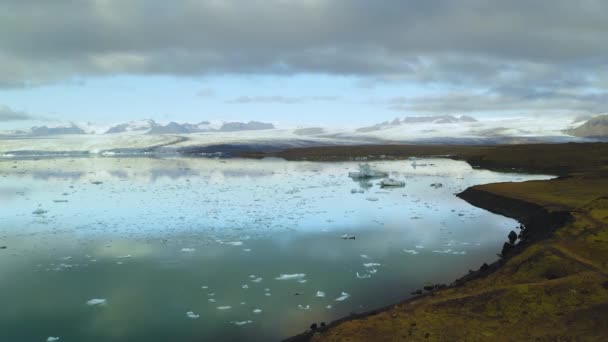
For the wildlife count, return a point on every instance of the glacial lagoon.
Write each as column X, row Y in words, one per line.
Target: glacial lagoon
column 185, row 249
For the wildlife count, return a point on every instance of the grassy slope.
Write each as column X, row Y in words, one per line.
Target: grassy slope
column 554, row 288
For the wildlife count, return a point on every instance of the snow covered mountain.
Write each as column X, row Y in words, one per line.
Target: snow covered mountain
column 596, row 127
column 205, row 138
column 409, row 120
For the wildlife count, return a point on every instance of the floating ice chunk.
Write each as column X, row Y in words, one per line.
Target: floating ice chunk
column 390, row 182
column 52, row 339
column 348, row 237
column 257, row 311
column 246, row 249
column 344, row 296
column 192, row 315
column 320, row 294
column 302, row 307
column 252, row 276
column 204, row 287
column 96, row 301
column 267, row 294
column 363, row 276
column 364, row 256
column 225, row 307
column 39, row 211
column 419, row 247
column 411, row 251
column 212, row 300
column 235, row 243
column 125, row 256
column 291, row 276
column 328, row 307
column 245, row 286
column 256, row 280
column 188, row 250
column 302, row 281
column 365, row 171
column 371, row 264
column 241, row 322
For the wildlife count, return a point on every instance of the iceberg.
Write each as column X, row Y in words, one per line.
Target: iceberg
column 96, row 301
column 390, row 182
column 365, row 171
column 291, row 276
column 192, row 315
column 344, row 296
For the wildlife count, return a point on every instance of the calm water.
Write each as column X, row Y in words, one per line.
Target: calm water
column 197, row 249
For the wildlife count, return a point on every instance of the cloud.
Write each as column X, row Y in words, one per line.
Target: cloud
column 8, row 114
column 517, row 100
column 281, row 99
column 548, row 45
column 406, row 38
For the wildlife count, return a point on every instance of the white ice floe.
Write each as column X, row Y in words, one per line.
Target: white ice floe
column 291, row 276
column 344, row 296
column 411, row 251
column 192, row 315
column 245, row 286
column 211, row 300
column 302, row 307
column 225, row 307
column 364, row 256
column 246, row 249
column 257, row 311
column 125, row 256
column 188, row 250
column 302, row 281
column 204, row 287
column 52, row 339
column 419, row 247
column 371, row 264
column 235, row 243
column 328, row 307
column 363, row 276
column 96, row 301
column 256, row 280
column 241, row 322
column 320, row 294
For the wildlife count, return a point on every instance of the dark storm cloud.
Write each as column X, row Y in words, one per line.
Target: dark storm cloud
column 473, row 43
column 8, row 114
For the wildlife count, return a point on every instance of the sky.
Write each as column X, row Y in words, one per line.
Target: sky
column 299, row 62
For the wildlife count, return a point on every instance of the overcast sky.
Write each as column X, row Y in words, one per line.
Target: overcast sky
column 299, row 61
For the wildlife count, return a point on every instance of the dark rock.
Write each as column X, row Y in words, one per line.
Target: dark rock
column 429, row 287
column 484, row 267
column 323, row 325
column 313, row 326
column 507, row 248
column 512, row 237
column 418, row 292
column 2, row 247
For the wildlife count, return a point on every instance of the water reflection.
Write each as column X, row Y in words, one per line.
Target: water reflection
column 229, row 241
